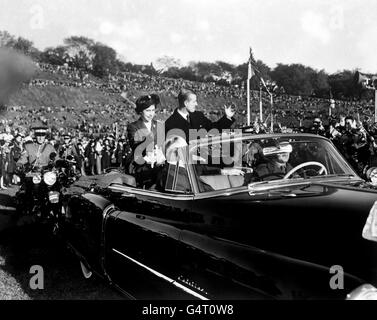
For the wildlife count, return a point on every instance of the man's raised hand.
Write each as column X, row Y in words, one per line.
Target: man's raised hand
column 229, row 111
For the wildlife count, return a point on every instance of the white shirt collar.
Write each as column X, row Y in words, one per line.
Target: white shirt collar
column 148, row 125
column 183, row 115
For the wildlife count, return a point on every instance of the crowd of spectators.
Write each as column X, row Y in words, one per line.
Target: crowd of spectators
column 93, row 154
column 98, row 130
column 287, row 110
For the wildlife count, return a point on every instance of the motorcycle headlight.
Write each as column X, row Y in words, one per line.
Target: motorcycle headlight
column 364, row 292
column 49, row 178
column 37, row 179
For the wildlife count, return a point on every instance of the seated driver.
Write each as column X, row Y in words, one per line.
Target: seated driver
column 277, row 162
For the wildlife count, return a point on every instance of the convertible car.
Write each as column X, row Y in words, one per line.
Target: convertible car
column 233, row 217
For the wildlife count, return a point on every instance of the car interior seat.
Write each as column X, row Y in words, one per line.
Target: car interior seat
column 121, row 178
column 220, row 182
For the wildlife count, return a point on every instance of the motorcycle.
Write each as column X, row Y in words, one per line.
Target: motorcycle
column 41, row 195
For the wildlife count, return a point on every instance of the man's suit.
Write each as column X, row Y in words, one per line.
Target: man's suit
column 197, row 121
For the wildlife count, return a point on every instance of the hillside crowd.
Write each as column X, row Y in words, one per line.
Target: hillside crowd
column 96, row 134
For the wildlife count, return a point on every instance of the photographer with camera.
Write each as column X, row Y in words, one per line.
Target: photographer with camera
column 317, row 127
column 352, row 143
column 68, row 150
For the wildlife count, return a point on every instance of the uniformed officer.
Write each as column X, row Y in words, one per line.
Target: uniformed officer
column 37, row 154
column 68, row 148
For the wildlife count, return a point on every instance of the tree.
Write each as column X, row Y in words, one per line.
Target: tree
column 225, row 66
column 79, row 52
column 54, row 56
column 79, row 41
column 172, row 72
column 264, row 72
column 23, row 45
column 320, row 83
column 187, row 73
column 343, row 85
column 296, row 79
column 104, row 61
column 6, row 39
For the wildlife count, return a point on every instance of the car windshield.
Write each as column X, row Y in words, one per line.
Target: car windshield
column 236, row 162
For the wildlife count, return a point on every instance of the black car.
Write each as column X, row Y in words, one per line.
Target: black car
column 276, row 216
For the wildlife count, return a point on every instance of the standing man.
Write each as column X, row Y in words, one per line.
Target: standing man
column 186, row 118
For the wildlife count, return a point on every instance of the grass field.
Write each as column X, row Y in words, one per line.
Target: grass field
column 22, row 249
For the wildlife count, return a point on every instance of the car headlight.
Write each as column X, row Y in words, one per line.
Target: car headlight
column 49, row 178
column 37, row 179
column 370, row 228
column 364, row 292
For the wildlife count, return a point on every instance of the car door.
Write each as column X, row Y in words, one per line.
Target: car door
column 142, row 242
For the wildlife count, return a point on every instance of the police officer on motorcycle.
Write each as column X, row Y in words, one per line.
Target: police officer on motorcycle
column 38, row 153
column 34, row 158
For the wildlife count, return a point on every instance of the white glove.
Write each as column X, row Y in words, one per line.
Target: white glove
column 150, row 159
column 160, row 158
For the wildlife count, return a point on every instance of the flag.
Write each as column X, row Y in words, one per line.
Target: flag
column 250, row 72
column 251, row 66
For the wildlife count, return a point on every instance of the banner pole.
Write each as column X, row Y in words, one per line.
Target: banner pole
column 260, row 104
column 272, row 115
column 248, row 102
column 375, row 105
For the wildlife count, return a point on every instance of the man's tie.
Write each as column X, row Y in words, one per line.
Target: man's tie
column 188, row 118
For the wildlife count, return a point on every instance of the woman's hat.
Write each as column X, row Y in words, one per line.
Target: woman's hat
column 145, row 102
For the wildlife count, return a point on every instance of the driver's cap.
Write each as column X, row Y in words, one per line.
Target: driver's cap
column 282, row 147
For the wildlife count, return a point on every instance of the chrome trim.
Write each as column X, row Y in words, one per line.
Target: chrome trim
column 149, row 193
column 200, row 142
column 160, row 275
column 124, row 292
column 105, row 216
column 242, row 189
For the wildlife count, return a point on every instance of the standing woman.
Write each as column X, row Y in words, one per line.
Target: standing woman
column 106, row 155
column 119, row 153
column 90, row 156
column 142, row 136
column 99, row 150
